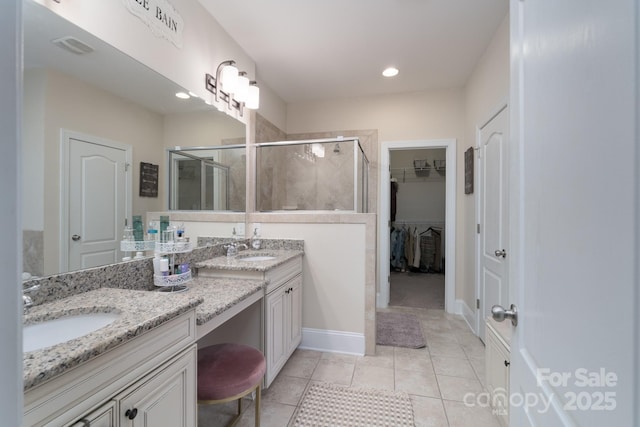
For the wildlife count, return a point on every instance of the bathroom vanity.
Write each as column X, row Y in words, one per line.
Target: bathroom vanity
column 282, row 273
column 139, row 370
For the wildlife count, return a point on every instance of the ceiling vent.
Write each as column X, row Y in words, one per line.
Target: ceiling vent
column 73, row 45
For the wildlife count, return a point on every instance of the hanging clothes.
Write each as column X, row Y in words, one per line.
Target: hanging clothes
column 397, row 248
column 394, row 195
column 408, row 246
column 416, row 253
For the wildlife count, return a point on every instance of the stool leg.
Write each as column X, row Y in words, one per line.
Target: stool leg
column 257, row 408
column 240, row 406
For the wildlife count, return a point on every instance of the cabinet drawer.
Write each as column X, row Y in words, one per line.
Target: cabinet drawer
column 281, row 274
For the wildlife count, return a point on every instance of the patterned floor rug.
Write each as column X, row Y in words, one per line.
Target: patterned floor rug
column 331, row 405
column 399, row 330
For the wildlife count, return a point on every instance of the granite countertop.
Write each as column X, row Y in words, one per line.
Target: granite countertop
column 236, row 263
column 140, row 311
column 220, row 294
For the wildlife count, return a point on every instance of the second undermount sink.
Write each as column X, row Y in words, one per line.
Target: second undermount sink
column 47, row 333
column 254, row 258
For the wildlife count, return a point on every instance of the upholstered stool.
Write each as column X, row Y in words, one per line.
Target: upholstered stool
column 229, row 372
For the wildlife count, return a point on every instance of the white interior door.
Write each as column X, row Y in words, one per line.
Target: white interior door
column 493, row 215
column 97, row 202
column 575, row 220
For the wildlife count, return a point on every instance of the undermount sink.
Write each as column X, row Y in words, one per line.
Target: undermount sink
column 256, row 258
column 47, row 333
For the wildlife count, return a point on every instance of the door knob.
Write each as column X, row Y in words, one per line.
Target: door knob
column 75, row 237
column 500, row 253
column 499, row 314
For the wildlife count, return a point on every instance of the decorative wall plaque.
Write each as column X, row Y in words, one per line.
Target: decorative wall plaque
column 148, row 180
column 468, row 171
column 160, row 16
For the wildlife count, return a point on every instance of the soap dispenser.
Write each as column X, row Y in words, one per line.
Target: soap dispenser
column 256, row 243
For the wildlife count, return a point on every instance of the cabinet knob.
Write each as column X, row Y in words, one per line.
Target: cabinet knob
column 131, row 413
column 507, row 363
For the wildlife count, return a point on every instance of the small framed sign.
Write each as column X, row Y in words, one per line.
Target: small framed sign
column 468, row 171
column 148, row 180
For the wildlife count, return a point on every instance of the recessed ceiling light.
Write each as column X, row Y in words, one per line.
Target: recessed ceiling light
column 183, row 95
column 193, row 95
column 390, row 72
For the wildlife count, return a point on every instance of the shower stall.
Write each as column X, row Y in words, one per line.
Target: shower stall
column 312, row 175
column 207, row 178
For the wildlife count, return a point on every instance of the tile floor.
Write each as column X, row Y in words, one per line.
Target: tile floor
column 436, row 377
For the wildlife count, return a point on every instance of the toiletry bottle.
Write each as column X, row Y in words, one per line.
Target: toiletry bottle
column 152, row 231
column 156, row 265
column 164, row 267
column 139, row 255
column 256, row 243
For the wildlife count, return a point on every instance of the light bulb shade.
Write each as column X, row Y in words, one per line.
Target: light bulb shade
column 242, row 89
column 229, row 79
column 253, row 99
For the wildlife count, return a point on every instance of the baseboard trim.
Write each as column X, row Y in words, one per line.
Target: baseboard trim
column 332, row 341
column 468, row 314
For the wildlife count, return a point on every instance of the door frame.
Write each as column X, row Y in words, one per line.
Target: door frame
column 478, row 179
column 382, row 298
column 65, row 136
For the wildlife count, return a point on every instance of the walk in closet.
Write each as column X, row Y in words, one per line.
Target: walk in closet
column 418, row 195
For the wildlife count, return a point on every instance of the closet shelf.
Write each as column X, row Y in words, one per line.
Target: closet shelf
column 408, row 174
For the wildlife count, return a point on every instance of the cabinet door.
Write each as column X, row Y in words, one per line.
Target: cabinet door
column 105, row 416
column 165, row 398
column 497, row 372
column 295, row 313
column 277, row 332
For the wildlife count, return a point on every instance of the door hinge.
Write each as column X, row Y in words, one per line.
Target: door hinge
column 126, row 222
column 478, row 303
column 126, row 166
column 478, row 228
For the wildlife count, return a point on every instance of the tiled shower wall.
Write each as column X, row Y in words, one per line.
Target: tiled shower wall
column 281, row 187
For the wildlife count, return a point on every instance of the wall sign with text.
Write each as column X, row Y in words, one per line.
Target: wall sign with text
column 160, row 16
column 148, row 180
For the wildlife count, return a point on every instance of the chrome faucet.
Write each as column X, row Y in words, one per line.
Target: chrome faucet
column 27, row 301
column 234, row 247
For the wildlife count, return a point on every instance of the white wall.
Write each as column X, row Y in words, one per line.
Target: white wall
column 486, row 90
column 10, row 209
column 418, row 199
column 74, row 105
column 33, row 147
column 205, row 43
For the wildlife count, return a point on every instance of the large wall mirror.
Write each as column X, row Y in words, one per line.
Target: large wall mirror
column 92, row 116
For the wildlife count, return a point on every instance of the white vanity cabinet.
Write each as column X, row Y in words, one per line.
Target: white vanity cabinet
column 152, row 376
column 283, row 324
column 282, row 305
column 497, row 365
column 283, row 315
column 160, row 399
column 104, row 416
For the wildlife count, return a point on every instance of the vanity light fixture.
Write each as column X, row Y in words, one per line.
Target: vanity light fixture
column 390, row 72
column 253, row 99
column 242, row 89
column 233, row 87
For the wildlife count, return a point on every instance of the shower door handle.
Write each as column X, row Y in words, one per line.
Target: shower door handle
column 75, row 237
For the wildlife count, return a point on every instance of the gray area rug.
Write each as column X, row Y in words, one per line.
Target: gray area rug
column 399, row 330
column 331, row 405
